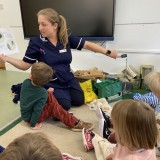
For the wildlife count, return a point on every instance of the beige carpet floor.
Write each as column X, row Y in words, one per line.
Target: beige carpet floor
column 65, row 139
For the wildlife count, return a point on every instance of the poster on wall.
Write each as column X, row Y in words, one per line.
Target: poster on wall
column 7, row 42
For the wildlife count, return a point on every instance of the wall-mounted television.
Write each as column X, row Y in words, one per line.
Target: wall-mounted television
column 91, row 19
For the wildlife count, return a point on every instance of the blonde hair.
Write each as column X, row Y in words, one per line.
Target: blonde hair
column 53, row 18
column 31, row 146
column 152, row 79
column 41, row 73
column 134, row 124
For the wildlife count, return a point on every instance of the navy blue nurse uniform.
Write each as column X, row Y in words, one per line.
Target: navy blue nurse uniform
column 42, row 50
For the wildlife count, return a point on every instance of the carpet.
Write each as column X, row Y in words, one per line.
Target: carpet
column 60, row 135
column 64, row 138
column 9, row 111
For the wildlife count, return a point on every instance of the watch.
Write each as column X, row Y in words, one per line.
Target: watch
column 108, row 52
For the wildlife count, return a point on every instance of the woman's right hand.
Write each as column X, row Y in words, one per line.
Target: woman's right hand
column 20, row 64
column 3, row 57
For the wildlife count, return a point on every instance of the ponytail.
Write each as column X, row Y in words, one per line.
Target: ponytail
column 62, row 32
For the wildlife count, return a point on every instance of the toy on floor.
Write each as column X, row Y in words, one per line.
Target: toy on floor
column 16, row 90
column 101, row 103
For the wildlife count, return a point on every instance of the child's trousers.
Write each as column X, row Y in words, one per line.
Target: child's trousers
column 53, row 108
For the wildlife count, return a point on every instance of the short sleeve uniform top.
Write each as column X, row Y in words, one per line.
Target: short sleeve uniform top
column 42, row 50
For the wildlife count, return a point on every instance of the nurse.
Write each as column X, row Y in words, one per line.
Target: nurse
column 53, row 47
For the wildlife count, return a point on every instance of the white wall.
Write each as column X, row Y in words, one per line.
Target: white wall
column 137, row 33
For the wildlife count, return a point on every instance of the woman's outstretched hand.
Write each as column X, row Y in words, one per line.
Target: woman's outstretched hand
column 113, row 54
column 3, row 57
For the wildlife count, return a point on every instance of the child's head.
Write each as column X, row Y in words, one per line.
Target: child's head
column 134, row 124
column 41, row 73
column 31, row 146
column 152, row 79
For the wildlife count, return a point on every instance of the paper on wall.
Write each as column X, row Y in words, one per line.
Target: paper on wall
column 7, row 42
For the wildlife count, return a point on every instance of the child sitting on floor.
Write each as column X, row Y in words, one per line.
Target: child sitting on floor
column 135, row 129
column 36, row 104
column 34, row 146
column 152, row 80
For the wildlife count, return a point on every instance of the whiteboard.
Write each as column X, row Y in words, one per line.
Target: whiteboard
column 137, row 11
column 137, row 38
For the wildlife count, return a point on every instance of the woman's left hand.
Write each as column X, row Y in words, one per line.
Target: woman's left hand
column 113, row 54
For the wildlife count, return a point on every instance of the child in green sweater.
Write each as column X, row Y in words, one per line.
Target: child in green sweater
column 38, row 104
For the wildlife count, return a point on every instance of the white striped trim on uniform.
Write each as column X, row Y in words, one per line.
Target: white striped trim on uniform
column 79, row 43
column 30, row 58
column 43, row 39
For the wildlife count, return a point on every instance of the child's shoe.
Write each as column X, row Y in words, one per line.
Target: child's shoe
column 87, row 139
column 81, row 125
column 67, row 156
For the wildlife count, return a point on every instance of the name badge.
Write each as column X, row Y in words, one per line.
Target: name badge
column 62, row 51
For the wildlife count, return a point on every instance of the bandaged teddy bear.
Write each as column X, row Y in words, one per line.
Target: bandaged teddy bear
column 101, row 103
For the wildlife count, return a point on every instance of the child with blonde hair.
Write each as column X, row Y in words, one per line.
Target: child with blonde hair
column 135, row 129
column 152, row 80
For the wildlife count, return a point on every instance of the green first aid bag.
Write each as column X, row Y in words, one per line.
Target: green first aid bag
column 111, row 89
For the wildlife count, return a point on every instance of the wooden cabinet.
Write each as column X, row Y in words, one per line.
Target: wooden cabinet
column 2, row 65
